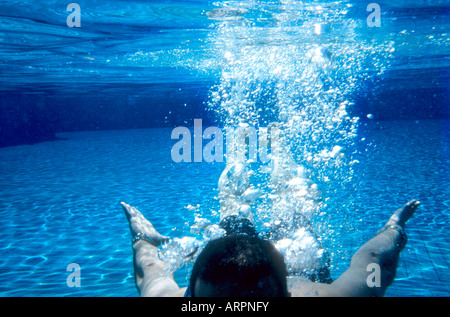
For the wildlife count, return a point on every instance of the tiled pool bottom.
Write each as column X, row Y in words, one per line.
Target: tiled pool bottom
column 60, row 205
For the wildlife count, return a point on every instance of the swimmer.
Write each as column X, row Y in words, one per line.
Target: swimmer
column 241, row 264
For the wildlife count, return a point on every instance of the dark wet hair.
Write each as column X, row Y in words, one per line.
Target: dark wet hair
column 241, row 266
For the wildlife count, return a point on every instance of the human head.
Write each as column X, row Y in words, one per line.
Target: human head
column 239, row 266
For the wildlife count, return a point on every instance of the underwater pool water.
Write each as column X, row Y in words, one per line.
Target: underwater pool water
column 60, row 205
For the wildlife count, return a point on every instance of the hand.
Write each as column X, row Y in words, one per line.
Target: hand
column 402, row 215
column 138, row 223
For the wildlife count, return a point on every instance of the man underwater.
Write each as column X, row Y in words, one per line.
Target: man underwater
column 241, row 264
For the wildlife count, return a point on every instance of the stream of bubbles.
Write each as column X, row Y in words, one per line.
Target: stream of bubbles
column 288, row 70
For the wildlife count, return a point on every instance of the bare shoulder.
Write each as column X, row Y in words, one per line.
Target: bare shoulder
column 179, row 293
column 161, row 291
column 301, row 287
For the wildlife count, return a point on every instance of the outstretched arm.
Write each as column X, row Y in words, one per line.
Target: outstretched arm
column 151, row 278
column 381, row 252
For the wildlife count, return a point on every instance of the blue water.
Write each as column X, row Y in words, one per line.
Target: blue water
column 60, row 205
column 86, row 116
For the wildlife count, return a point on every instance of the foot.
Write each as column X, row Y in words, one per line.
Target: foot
column 138, row 223
column 402, row 215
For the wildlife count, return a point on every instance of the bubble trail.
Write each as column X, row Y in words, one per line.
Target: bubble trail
column 288, row 69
